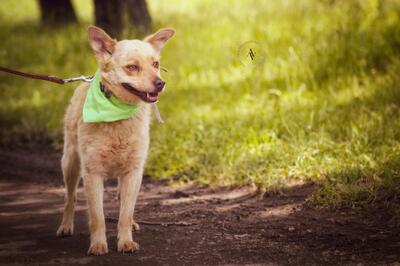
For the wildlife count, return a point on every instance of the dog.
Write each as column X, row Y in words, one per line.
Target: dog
column 130, row 72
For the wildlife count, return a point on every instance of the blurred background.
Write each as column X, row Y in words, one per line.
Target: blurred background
column 321, row 106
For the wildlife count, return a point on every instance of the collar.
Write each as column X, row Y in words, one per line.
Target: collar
column 104, row 90
column 101, row 106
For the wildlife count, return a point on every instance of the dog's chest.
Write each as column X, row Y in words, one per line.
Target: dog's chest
column 121, row 155
column 115, row 148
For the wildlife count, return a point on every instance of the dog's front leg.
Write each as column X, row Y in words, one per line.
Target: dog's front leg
column 135, row 225
column 94, row 190
column 129, row 188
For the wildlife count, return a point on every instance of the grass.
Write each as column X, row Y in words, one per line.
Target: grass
column 323, row 107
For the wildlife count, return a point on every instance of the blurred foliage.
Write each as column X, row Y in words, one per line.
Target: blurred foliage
column 324, row 106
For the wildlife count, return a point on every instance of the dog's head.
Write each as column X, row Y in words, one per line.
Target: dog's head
column 130, row 68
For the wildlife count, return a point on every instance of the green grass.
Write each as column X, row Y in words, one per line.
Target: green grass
column 323, row 107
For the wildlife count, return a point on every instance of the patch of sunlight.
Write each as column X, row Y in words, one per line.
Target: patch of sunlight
column 222, row 195
column 84, row 10
column 28, row 226
column 53, row 210
column 356, row 89
column 36, row 100
column 16, row 244
column 15, row 11
column 279, row 211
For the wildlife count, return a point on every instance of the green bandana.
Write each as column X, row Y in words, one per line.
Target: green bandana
column 99, row 108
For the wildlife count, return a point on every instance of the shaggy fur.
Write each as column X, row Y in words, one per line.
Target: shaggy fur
column 97, row 151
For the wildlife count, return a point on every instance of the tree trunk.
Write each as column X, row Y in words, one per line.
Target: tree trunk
column 138, row 15
column 57, row 12
column 108, row 14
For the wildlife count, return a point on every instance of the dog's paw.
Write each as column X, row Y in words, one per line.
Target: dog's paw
column 135, row 226
column 127, row 246
column 98, row 248
column 65, row 230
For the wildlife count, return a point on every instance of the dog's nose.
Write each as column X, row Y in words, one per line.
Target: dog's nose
column 159, row 84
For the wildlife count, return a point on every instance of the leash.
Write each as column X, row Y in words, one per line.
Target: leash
column 53, row 79
column 61, row 81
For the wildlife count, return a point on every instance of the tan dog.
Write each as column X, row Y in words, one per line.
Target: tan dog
column 130, row 70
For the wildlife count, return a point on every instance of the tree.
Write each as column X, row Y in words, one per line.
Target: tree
column 57, row 12
column 109, row 15
column 138, row 15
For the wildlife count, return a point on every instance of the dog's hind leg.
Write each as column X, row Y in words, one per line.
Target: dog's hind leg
column 70, row 164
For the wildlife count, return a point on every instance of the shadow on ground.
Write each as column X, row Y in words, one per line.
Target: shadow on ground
column 226, row 226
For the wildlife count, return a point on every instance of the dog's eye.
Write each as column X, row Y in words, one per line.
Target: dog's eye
column 133, row 68
column 156, row 64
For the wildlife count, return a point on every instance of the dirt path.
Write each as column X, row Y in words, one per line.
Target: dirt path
column 230, row 226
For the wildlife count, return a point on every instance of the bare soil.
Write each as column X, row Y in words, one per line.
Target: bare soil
column 213, row 226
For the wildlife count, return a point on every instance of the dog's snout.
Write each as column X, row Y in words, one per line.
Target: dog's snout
column 159, row 84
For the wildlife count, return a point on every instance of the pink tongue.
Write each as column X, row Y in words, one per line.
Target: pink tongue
column 152, row 96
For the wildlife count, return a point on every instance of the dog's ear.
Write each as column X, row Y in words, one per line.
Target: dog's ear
column 158, row 39
column 102, row 44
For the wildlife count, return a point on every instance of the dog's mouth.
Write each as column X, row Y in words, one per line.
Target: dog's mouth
column 149, row 97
